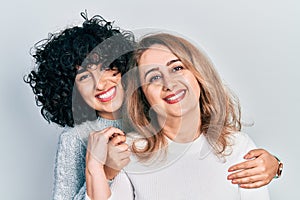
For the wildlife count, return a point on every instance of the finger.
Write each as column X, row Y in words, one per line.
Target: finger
column 244, row 173
column 95, row 136
column 124, row 155
column 122, row 147
column 116, row 130
column 253, row 185
column 248, row 179
column 243, row 165
column 125, row 162
column 117, row 139
column 254, row 153
column 109, row 132
column 120, row 165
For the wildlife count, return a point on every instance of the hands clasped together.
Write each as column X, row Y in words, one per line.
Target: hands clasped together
column 107, row 153
column 107, row 147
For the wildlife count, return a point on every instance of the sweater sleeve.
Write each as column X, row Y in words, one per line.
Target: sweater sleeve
column 69, row 171
column 81, row 195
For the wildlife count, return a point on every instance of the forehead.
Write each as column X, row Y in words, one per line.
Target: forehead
column 91, row 67
column 156, row 54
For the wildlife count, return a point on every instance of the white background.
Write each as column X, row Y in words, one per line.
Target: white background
column 254, row 45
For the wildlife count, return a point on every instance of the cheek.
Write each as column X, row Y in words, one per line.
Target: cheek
column 152, row 94
column 121, row 91
column 84, row 91
column 192, row 81
column 118, row 77
column 196, row 89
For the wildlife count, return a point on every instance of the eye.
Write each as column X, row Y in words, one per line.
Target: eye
column 84, row 76
column 155, row 78
column 177, row 68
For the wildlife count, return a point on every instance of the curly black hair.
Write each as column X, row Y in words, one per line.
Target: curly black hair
column 56, row 61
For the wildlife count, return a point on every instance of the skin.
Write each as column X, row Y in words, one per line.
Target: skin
column 254, row 173
column 96, row 158
column 102, row 90
column 168, row 88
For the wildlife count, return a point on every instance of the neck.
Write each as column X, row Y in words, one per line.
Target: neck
column 111, row 115
column 182, row 129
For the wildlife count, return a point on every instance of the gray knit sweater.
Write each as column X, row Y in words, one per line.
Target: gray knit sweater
column 69, row 172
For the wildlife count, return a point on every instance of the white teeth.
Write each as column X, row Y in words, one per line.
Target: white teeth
column 176, row 96
column 107, row 94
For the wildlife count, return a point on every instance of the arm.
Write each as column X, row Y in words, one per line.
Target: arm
column 96, row 183
column 259, row 169
column 69, row 167
column 96, row 157
column 121, row 188
column 243, row 145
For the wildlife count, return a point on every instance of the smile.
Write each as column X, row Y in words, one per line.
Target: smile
column 174, row 98
column 107, row 95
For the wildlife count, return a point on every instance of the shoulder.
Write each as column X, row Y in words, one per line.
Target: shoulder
column 240, row 139
column 75, row 136
column 239, row 144
column 69, row 140
column 70, row 148
column 78, row 133
column 68, row 134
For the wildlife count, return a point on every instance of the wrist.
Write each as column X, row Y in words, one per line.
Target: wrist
column 279, row 169
column 94, row 168
column 110, row 173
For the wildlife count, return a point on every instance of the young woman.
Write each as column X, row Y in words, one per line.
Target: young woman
column 186, row 129
column 81, row 88
column 77, row 82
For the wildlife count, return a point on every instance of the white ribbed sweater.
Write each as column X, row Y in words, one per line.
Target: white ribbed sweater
column 190, row 172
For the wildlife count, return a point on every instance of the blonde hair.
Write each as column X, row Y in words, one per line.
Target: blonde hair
column 219, row 108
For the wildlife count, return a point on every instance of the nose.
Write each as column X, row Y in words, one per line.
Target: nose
column 100, row 80
column 168, row 83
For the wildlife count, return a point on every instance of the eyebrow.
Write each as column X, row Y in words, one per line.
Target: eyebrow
column 81, row 70
column 156, row 68
column 151, row 70
column 172, row 61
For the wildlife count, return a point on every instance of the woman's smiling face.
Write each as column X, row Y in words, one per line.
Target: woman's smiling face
column 170, row 88
column 101, row 89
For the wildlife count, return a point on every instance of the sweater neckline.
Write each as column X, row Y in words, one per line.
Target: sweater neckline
column 109, row 122
column 197, row 149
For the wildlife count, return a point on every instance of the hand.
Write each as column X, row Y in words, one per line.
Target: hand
column 96, row 155
column 258, row 171
column 118, row 156
column 98, row 144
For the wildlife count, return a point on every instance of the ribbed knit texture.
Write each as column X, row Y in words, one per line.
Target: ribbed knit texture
column 69, row 172
column 191, row 172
